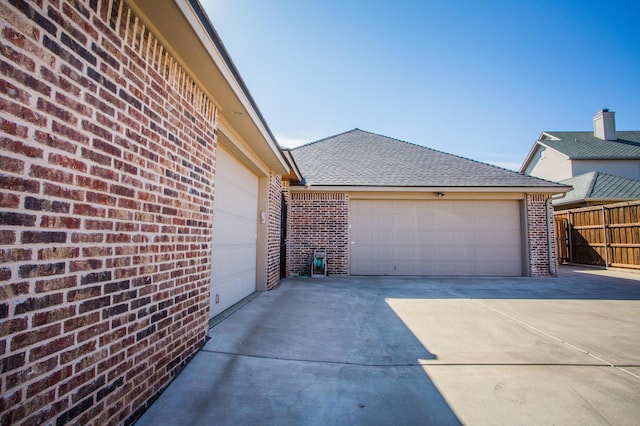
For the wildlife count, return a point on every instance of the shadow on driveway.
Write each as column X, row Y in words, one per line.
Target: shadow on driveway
column 381, row 350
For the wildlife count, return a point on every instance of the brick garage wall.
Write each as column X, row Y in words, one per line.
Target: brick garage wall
column 275, row 217
column 318, row 220
column 105, row 213
column 540, row 232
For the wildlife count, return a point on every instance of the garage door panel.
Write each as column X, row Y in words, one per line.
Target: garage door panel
column 231, row 229
column 407, row 268
column 233, row 261
column 365, row 236
column 235, row 221
column 385, row 221
column 406, row 236
column 243, row 201
column 383, row 252
column 365, row 265
column 438, row 238
column 384, row 235
column 407, row 251
column 379, row 267
column 445, row 267
column 446, row 252
column 465, row 251
column 425, row 234
column 426, row 252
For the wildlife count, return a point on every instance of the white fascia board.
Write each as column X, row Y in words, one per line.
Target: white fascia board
column 445, row 189
column 292, row 163
column 548, row 135
column 532, row 152
column 217, row 58
column 529, row 156
column 237, row 88
column 233, row 142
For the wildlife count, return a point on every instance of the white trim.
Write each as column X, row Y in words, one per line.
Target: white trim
column 213, row 52
column 239, row 147
column 175, row 21
column 533, row 150
column 445, row 189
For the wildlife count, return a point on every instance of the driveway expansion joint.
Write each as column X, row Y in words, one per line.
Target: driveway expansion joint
column 604, row 362
column 422, row 363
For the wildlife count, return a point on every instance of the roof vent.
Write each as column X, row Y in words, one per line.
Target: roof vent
column 604, row 125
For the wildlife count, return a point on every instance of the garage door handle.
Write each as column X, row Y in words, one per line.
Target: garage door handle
column 353, row 242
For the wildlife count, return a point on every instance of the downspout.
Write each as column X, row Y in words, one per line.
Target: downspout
column 604, row 231
column 547, row 204
column 551, row 199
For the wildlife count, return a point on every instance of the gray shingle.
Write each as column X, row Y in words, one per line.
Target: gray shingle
column 359, row 158
column 584, row 145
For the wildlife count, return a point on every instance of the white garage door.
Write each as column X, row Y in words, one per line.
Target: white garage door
column 234, row 233
column 411, row 237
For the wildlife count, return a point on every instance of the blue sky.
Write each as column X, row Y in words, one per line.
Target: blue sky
column 481, row 79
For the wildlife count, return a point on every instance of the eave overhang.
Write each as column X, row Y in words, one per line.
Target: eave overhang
column 294, row 172
column 539, row 142
column 493, row 189
column 185, row 31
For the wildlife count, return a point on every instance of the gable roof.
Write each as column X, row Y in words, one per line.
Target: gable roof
column 360, row 158
column 599, row 186
column 586, row 146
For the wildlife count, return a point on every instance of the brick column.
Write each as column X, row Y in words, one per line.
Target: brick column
column 540, row 235
column 273, row 255
column 318, row 220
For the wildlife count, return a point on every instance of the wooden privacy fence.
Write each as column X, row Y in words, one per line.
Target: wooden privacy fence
column 601, row 235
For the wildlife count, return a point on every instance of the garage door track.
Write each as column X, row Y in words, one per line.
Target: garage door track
column 392, row 351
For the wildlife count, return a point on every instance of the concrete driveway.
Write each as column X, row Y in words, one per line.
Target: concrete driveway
column 394, row 351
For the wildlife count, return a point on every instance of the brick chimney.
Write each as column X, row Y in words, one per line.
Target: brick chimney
column 604, row 125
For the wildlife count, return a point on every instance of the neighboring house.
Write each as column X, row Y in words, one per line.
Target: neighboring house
column 559, row 156
column 597, row 188
column 381, row 206
column 140, row 194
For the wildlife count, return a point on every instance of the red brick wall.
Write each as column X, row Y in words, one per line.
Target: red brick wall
column 540, row 235
column 318, row 220
column 273, row 255
column 106, row 178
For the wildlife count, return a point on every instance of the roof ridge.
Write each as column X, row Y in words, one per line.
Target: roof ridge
column 616, row 176
column 592, row 184
column 586, row 146
column 586, row 131
column 597, row 172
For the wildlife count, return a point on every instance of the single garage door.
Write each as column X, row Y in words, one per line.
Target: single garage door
column 423, row 237
column 234, row 232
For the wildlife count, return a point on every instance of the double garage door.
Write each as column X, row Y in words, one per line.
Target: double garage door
column 436, row 237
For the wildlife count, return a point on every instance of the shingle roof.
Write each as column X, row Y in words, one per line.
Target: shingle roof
column 599, row 186
column 584, row 145
column 360, row 158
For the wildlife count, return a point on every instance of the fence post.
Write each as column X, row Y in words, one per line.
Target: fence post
column 604, row 230
column 569, row 232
